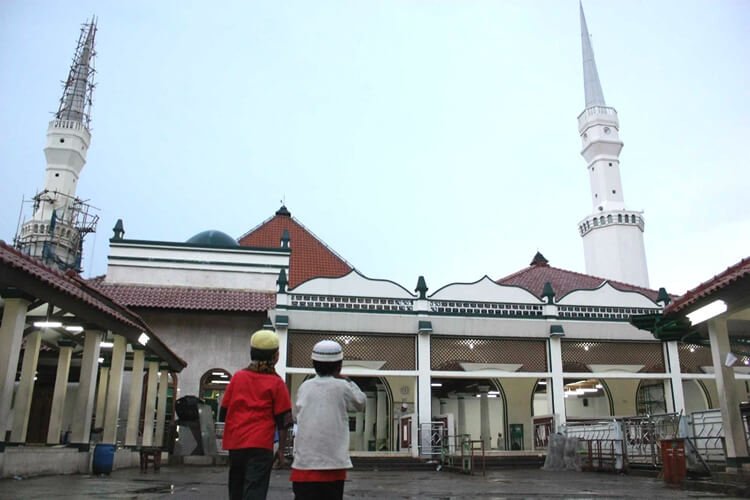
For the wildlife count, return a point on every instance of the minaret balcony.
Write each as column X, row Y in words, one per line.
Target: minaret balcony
column 611, row 218
column 71, row 125
column 599, row 114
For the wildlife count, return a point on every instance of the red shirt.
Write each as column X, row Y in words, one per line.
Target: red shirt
column 253, row 401
column 317, row 476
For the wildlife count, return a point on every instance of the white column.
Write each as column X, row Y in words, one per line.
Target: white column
column 461, row 414
column 381, row 419
column 134, row 405
column 443, row 406
column 114, row 391
column 558, row 381
column 81, row 427
column 11, row 336
column 676, row 403
column 25, row 392
column 370, row 416
column 161, row 407
column 734, row 431
column 424, row 389
column 281, row 364
column 484, row 416
column 101, row 397
column 61, row 389
column 148, row 414
column 359, row 429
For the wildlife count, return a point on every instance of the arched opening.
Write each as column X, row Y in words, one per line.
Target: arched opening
column 213, row 384
column 458, row 403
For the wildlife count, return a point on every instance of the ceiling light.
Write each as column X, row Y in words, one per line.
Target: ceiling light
column 143, row 338
column 106, row 345
column 707, row 312
column 100, row 360
column 47, row 324
column 436, row 384
column 74, row 328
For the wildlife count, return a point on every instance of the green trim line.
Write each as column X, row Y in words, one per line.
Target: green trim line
column 203, row 262
column 240, row 248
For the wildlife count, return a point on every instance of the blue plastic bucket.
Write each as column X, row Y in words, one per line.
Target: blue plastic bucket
column 104, row 457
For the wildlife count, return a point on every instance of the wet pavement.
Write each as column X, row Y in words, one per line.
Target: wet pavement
column 209, row 482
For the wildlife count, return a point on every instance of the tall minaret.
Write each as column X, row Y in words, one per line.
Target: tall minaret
column 612, row 234
column 60, row 220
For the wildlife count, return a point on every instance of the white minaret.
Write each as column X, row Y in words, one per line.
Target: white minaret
column 612, row 234
column 60, row 220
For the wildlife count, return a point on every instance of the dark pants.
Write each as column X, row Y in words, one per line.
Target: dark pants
column 249, row 473
column 328, row 490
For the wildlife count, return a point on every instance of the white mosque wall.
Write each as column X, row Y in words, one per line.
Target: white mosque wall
column 518, row 393
column 164, row 265
column 485, row 290
column 205, row 341
column 587, row 406
column 353, row 284
column 473, row 422
column 607, row 295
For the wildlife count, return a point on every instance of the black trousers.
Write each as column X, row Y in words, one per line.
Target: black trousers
column 249, row 473
column 328, row 490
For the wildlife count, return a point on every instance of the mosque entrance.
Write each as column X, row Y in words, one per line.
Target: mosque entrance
column 473, row 409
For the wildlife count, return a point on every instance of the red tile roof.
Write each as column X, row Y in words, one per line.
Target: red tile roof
column 310, row 257
column 721, row 282
column 27, row 274
column 563, row 282
column 187, row 298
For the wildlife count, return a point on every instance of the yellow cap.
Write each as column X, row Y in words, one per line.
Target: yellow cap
column 264, row 339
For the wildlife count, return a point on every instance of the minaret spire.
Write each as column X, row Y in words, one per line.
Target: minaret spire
column 591, row 85
column 612, row 234
column 60, row 220
column 76, row 100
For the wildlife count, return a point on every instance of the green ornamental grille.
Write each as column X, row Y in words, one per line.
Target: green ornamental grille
column 447, row 353
column 398, row 351
column 577, row 355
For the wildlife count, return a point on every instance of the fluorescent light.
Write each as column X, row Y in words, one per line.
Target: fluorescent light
column 707, row 312
column 143, row 339
column 221, row 381
column 436, row 384
column 47, row 324
column 491, row 395
column 100, row 360
column 220, row 374
column 494, row 392
column 106, row 345
column 542, row 382
column 74, row 328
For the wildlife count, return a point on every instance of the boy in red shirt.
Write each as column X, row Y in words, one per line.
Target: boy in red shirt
column 257, row 404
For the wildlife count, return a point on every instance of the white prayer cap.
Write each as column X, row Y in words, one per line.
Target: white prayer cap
column 327, row 351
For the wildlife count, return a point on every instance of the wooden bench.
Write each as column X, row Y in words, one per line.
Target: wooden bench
column 150, row 455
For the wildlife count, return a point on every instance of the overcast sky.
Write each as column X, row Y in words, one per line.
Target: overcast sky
column 434, row 138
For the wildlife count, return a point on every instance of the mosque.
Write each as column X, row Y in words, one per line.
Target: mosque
column 505, row 361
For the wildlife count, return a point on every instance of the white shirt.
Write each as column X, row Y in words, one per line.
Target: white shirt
column 322, row 438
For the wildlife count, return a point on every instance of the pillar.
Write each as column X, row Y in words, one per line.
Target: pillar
column 101, row 397
column 461, row 414
column 148, row 414
column 381, row 419
column 734, row 431
column 359, row 429
column 25, row 392
column 558, row 381
column 114, row 391
column 424, row 392
column 84, row 408
column 443, row 406
column 136, row 389
column 11, row 336
column 281, row 363
column 676, row 403
column 161, row 407
column 484, row 416
column 61, row 389
column 370, row 416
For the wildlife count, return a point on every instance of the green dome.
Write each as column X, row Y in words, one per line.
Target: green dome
column 212, row 238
